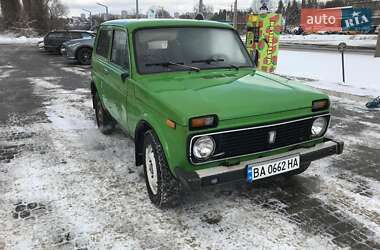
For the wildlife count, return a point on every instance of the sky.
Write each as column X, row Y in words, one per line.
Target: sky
column 116, row 6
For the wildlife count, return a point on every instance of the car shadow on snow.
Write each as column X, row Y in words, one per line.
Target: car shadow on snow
column 292, row 198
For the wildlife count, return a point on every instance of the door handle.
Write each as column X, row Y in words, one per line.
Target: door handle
column 106, row 71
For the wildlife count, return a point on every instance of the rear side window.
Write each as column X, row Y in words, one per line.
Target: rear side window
column 56, row 35
column 75, row 35
column 103, row 45
column 86, row 35
column 119, row 54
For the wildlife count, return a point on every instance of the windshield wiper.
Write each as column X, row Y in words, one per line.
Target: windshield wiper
column 167, row 64
column 234, row 66
column 209, row 61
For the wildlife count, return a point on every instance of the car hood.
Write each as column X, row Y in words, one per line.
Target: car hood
column 229, row 95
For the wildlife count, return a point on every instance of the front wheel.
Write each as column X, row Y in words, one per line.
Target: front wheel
column 163, row 188
column 84, row 56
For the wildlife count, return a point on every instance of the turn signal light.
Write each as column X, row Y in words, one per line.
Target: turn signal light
column 203, row 122
column 170, row 124
column 320, row 105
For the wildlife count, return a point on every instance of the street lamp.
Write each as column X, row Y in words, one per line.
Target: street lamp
column 90, row 17
column 137, row 9
column 105, row 6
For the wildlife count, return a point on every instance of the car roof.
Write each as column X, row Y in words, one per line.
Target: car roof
column 133, row 24
column 75, row 31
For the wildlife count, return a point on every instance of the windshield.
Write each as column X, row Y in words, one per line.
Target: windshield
column 178, row 49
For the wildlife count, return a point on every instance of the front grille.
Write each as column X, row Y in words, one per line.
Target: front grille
column 256, row 139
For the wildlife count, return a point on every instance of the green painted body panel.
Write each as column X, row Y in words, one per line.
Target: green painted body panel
column 240, row 98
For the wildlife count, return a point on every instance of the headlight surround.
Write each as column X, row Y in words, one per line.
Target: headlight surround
column 319, row 127
column 320, row 105
column 202, row 122
column 203, row 147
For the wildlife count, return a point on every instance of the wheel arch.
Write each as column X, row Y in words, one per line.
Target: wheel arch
column 93, row 93
column 143, row 126
column 140, row 130
column 82, row 47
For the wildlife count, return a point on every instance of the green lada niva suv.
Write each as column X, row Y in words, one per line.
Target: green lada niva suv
column 188, row 93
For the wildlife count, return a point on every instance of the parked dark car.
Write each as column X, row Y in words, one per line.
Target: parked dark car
column 53, row 40
column 79, row 50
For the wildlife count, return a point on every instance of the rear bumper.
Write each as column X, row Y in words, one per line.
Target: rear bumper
column 51, row 48
column 221, row 174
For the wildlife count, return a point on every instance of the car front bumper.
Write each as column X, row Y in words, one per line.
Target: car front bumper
column 222, row 174
column 68, row 53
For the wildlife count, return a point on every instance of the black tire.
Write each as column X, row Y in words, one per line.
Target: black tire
column 104, row 120
column 168, row 188
column 59, row 50
column 84, row 56
column 302, row 169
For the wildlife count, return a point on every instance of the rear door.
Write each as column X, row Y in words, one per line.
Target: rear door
column 65, row 38
column 75, row 35
column 118, row 68
column 54, row 39
column 100, row 70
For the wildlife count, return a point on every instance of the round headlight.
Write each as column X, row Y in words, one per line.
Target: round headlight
column 204, row 147
column 319, row 127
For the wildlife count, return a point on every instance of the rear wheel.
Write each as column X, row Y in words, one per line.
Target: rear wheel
column 59, row 50
column 105, row 122
column 84, row 56
column 163, row 188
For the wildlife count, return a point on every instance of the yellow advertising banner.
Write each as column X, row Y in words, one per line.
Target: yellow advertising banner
column 263, row 39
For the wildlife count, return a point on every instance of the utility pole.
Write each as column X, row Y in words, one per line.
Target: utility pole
column 235, row 15
column 200, row 8
column 106, row 7
column 90, row 17
column 137, row 9
column 231, row 14
column 378, row 45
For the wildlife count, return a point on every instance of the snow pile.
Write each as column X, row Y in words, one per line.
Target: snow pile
column 10, row 38
column 317, row 39
column 361, row 70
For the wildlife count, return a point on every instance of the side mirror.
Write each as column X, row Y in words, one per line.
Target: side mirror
column 124, row 76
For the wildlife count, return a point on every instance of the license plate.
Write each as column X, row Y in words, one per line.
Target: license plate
column 269, row 168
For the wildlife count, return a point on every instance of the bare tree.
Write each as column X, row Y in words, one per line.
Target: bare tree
column 45, row 14
column 57, row 11
column 162, row 13
column 27, row 7
column 207, row 10
column 39, row 15
column 11, row 10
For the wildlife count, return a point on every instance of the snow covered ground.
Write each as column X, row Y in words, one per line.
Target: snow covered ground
column 350, row 40
column 82, row 190
column 65, row 185
column 361, row 70
column 10, row 38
